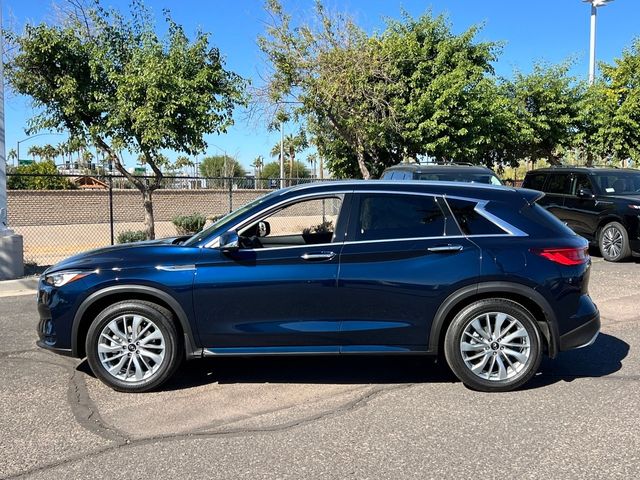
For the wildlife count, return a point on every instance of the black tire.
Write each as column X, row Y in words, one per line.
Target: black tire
column 161, row 319
column 487, row 309
column 613, row 241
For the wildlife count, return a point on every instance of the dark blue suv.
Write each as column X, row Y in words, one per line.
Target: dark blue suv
column 481, row 274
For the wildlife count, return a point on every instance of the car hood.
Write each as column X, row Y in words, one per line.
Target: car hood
column 116, row 256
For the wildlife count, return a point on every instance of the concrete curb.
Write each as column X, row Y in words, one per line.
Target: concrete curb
column 21, row 286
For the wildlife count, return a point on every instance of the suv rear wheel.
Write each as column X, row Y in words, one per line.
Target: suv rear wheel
column 493, row 345
column 133, row 346
column 614, row 242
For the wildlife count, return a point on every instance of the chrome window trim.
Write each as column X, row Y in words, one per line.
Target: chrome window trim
column 480, row 208
column 510, row 230
column 216, row 243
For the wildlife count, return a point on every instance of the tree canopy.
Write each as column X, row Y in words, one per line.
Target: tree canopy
column 113, row 81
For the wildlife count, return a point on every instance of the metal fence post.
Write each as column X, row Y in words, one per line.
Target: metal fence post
column 230, row 195
column 111, row 207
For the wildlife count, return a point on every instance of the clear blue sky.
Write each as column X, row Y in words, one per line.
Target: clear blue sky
column 551, row 30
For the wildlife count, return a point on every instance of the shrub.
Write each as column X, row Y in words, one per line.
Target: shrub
column 50, row 181
column 130, row 236
column 189, row 224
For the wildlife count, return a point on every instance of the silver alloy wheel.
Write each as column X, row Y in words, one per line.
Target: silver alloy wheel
column 612, row 242
column 131, row 348
column 495, row 346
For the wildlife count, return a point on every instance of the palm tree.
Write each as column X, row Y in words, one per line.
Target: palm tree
column 12, row 155
column 35, row 151
column 257, row 164
column 292, row 145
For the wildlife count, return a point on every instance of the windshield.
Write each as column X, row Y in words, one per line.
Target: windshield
column 487, row 178
column 618, row 183
column 227, row 219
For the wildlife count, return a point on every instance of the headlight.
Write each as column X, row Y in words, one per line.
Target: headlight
column 635, row 207
column 59, row 279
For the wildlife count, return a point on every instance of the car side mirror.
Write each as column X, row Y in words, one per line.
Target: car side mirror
column 585, row 193
column 229, row 241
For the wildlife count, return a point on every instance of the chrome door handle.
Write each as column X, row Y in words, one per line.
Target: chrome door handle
column 318, row 256
column 445, row 249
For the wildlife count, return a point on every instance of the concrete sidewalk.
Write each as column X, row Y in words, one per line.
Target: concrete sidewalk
column 21, row 286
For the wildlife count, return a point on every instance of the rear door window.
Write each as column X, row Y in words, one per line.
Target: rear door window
column 581, row 182
column 559, row 183
column 535, row 181
column 397, row 216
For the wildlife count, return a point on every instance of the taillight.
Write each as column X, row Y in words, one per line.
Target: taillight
column 564, row 256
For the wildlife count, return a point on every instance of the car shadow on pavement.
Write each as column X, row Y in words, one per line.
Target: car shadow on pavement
column 602, row 358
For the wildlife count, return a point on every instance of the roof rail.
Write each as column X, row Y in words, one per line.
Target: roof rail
column 441, row 163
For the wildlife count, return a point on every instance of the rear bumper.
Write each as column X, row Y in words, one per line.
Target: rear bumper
column 582, row 336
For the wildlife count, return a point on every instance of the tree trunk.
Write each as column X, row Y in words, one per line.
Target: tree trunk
column 361, row 163
column 149, row 225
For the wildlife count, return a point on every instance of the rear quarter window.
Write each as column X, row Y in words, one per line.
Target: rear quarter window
column 470, row 221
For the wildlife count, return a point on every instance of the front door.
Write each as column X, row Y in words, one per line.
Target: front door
column 278, row 291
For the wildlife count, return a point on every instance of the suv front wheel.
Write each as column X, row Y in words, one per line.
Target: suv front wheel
column 133, row 346
column 614, row 242
column 493, row 345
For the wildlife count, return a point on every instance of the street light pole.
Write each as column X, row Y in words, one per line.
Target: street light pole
column 592, row 40
column 29, row 138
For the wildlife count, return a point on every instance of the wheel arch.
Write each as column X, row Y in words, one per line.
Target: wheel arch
column 526, row 296
column 98, row 301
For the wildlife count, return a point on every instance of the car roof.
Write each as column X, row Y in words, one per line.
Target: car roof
column 438, row 168
column 582, row 170
column 478, row 191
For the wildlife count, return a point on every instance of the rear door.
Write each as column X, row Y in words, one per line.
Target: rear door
column 582, row 212
column 557, row 187
column 403, row 256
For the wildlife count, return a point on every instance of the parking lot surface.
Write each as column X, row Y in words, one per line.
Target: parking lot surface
column 349, row 417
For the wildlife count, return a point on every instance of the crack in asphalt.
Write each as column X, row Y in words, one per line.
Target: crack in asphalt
column 18, row 352
column 86, row 412
column 350, row 406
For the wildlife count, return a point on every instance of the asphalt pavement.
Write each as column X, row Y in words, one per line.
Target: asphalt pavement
column 351, row 417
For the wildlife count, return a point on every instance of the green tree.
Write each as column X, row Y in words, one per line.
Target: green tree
column 293, row 144
column 114, row 82
column 369, row 101
column 219, row 167
column 546, row 103
column 257, row 164
column 271, row 170
column 29, row 178
column 620, row 132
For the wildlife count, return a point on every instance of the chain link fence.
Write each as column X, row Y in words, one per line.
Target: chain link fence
column 62, row 215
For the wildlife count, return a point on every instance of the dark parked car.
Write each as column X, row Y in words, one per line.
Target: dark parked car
column 482, row 274
column 601, row 204
column 439, row 172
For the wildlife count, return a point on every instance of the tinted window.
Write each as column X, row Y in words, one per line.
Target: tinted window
column 581, row 182
column 461, row 177
column 559, row 183
column 618, row 182
column 399, row 216
column 535, row 182
column 386, row 176
column 470, row 221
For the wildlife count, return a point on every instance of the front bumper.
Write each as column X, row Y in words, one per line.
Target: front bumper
column 582, row 336
column 60, row 351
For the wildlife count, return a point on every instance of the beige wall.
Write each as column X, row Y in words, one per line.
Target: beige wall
column 73, row 207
